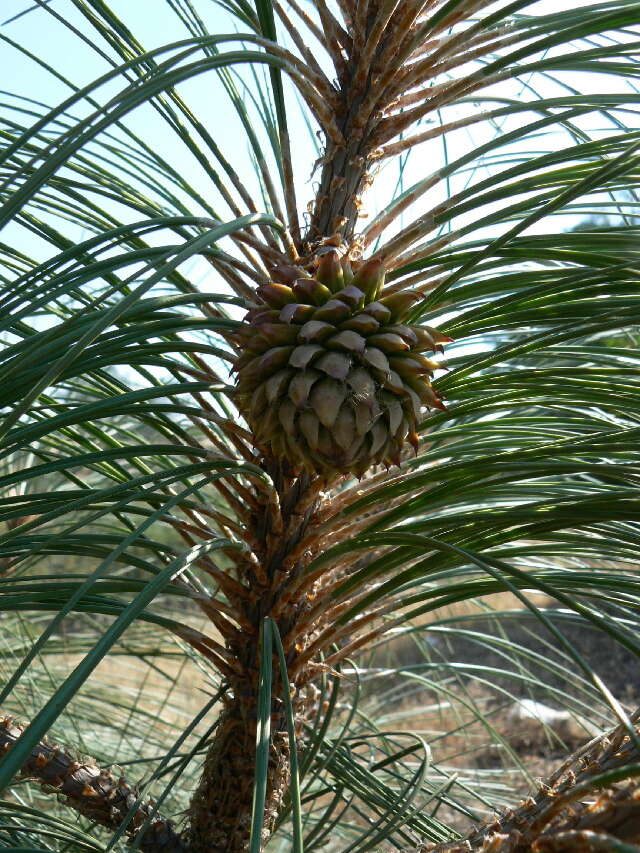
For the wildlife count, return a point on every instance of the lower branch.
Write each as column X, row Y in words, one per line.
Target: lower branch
column 574, row 811
column 91, row 791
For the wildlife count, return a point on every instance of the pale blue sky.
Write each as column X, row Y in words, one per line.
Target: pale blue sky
column 153, row 22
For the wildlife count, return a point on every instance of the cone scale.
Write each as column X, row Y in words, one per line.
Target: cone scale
column 331, row 377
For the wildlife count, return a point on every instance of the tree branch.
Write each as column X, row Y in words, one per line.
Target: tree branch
column 590, row 803
column 92, row 792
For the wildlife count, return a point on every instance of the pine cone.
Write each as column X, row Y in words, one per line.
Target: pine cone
column 330, row 378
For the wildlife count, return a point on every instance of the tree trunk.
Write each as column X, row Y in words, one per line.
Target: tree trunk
column 221, row 807
column 220, row 812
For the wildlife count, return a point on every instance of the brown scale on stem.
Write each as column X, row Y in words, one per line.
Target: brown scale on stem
column 94, row 792
column 220, row 811
column 574, row 810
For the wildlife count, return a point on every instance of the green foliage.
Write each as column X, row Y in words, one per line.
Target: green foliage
column 132, row 241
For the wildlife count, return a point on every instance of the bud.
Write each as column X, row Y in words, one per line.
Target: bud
column 311, row 291
column 370, row 279
column 400, row 303
column 287, row 274
column 276, row 295
column 329, row 271
column 347, row 272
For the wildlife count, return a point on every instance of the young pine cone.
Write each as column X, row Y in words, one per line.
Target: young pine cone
column 330, row 378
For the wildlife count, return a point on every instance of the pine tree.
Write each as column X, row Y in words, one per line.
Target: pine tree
column 361, row 415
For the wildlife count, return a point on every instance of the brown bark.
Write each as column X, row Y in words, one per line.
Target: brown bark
column 221, row 808
column 572, row 812
column 342, row 181
column 91, row 791
column 368, row 60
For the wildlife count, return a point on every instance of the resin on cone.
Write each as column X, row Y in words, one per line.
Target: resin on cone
column 331, row 377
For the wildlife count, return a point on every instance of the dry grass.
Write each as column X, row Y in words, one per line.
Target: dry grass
column 463, row 713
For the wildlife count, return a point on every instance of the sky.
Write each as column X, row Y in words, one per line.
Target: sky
column 154, row 23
